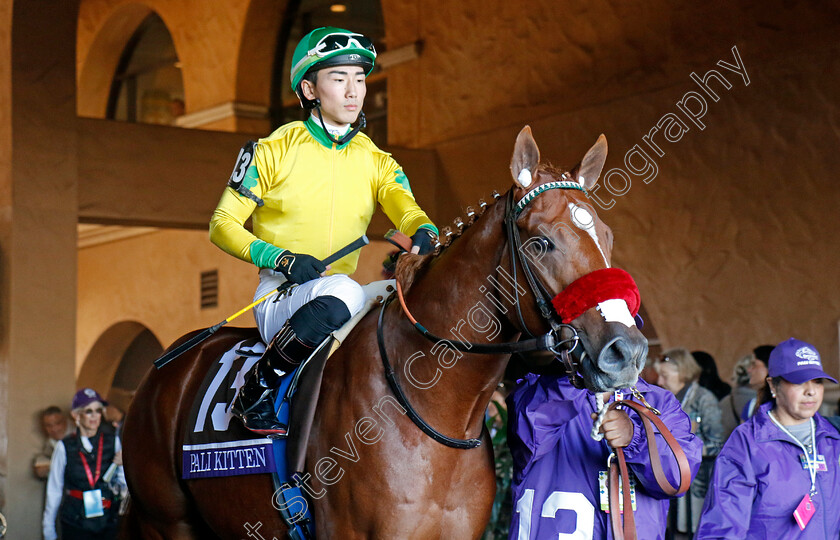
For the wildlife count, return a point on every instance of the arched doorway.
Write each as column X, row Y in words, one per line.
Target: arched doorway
column 118, row 361
column 147, row 86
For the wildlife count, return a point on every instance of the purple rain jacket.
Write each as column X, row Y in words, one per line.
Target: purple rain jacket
column 758, row 481
column 556, row 461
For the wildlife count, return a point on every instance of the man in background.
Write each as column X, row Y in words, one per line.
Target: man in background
column 54, row 426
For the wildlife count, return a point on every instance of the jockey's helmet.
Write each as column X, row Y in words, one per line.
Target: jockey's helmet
column 329, row 46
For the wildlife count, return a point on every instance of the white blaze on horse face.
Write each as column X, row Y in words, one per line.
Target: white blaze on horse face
column 584, row 220
column 616, row 310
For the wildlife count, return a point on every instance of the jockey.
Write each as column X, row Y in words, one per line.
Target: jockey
column 310, row 188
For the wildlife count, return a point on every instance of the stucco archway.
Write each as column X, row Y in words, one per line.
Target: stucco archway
column 257, row 51
column 94, row 76
column 118, row 360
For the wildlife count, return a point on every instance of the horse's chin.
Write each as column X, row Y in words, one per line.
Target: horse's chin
column 597, row 381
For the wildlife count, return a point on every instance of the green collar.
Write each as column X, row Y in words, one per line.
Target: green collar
column 317, row 131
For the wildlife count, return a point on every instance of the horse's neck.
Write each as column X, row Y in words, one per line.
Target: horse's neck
column 454, row 300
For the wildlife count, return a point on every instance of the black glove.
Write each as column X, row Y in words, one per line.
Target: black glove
column 423, row 239
column 299, row 267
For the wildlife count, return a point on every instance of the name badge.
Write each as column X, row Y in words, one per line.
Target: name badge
column 820, row 465
column 605, row 493
column 804, row 512
column 93, row 503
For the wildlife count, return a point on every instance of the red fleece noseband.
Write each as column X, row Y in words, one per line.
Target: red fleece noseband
column 595, row 287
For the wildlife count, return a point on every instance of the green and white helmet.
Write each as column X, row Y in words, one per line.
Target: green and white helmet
column 329, row 46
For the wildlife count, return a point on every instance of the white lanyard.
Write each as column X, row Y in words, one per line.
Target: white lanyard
column 812, row 465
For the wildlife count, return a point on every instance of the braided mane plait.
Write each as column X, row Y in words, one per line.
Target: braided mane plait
column 447, row 236
column 409, row 266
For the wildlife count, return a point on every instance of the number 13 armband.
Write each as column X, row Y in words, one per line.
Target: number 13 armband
column 244, row 175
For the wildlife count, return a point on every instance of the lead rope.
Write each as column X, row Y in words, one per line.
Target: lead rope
column 618, row 471
column 602, row 409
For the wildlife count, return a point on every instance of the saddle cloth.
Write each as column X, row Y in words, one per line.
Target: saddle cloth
column 215, row 445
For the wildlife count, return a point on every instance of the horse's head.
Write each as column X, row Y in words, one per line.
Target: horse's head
column 567, row 249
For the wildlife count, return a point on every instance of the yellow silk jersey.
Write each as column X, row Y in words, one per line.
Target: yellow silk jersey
column 318, row 197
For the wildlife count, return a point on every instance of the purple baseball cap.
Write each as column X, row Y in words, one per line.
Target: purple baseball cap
column 85, row 397
column 796, row 362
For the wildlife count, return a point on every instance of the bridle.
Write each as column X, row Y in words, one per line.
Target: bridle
column 563, row 349
column 550, row 341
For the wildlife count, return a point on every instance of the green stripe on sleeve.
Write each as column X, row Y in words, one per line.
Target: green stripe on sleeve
column 402, row 180
column 430, row 227
column 264, row 255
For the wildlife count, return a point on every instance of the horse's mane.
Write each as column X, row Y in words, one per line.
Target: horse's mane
column 410, row 266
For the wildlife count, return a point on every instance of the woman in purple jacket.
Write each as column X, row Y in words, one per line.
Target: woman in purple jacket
column 559, row 469
column 778, row 475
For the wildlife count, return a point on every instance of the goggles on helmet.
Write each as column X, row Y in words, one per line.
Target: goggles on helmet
column 338, row 42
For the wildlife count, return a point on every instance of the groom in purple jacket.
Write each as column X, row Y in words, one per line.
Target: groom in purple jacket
column 559, row 482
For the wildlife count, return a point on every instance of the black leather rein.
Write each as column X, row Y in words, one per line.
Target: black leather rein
column 403, row 400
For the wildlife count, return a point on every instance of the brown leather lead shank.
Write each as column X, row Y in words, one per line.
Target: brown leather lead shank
column 628, row 531
column 398, row 239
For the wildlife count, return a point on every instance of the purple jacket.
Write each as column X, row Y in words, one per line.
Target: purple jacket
column 758, row 481
column 556, row 462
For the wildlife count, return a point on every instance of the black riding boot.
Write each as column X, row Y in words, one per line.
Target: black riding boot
column 254, row 404
column 294, row 343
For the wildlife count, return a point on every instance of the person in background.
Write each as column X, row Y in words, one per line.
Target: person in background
column 678, row 372
column 559, row 466
column 85, row 475
column 114, row 417
column 648, row 373
column 55, row 427
column 709, row 377
column 778, row 474
column 732, row 405
column 758, row 376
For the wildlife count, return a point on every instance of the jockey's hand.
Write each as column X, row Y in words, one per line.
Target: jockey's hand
column 617, row 428
column 421, row 241
column 299, row 267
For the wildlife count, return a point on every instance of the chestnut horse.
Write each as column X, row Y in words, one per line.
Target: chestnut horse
column 371, row 471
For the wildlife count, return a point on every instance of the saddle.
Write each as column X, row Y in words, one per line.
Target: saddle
column 297, row 396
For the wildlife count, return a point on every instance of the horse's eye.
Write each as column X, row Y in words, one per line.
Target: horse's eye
column 546, row 243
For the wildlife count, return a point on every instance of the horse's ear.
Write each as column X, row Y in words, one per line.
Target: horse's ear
column 590, row 167
column 526, row 157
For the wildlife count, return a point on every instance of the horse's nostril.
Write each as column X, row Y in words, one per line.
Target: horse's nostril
column 618, row 354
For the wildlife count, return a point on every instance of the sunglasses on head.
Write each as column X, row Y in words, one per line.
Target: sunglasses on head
column 338, row 42
column 665, row 358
